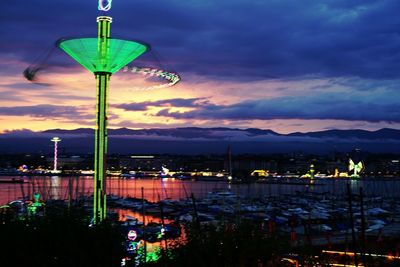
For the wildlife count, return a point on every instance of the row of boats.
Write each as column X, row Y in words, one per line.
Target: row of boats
column 303, row 213
column 315, row 214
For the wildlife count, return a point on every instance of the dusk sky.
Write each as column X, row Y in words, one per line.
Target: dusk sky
column 284, row 65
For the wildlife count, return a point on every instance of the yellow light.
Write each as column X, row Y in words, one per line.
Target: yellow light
column 366, row 254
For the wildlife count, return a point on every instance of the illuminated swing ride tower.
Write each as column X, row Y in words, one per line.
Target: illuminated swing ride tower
column 102, row 56
column 55, row 140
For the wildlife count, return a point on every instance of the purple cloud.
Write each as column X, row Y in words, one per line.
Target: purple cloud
column 323, row 106
column 175, row 102
column 45, row 111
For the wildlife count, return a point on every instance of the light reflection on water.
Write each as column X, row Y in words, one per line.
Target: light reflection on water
column 55, row 187
column 124, row 214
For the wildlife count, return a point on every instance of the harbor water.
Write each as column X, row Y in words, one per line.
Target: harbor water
column 59, row 187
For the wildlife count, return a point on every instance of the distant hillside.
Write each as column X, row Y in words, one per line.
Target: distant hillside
column 360, row 134
column 185, row 132
column 195, row 140
column 222, row 133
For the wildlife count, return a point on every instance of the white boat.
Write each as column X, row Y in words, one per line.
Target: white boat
column 375, row 227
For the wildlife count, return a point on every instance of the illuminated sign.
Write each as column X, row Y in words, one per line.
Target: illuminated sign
column 104, row 5
column 132, row 235
column 132, row 246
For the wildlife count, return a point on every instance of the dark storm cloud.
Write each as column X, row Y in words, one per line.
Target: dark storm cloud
column 324, row 107
column 294, row 38
column 175, row 102
column 232, row 39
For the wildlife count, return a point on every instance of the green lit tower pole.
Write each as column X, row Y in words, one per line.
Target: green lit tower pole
column 102, row 56
column 100, row 147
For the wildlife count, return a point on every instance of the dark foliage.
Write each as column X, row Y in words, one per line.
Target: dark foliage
column 225, row 245
column 61, row 238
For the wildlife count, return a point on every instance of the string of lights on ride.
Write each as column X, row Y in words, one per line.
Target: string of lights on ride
column 171, row 77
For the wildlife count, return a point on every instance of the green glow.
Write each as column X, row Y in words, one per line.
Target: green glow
column 32, row 210
column 36, row 198
column 32, row 207
column 356, row 168
column 152, row 256
column 86, row 51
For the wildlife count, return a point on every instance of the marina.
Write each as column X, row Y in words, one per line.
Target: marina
column 155, row 211
column 282, row 200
